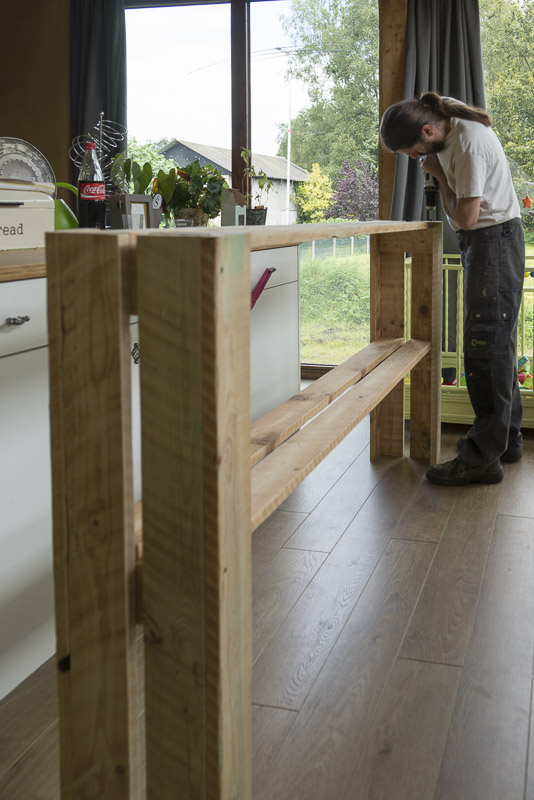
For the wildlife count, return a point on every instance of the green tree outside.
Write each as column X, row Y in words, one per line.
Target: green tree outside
column 313, row 198
column 337, row 54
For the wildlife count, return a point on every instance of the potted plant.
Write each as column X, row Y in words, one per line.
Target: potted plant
column 132, row 181
column 192, row 193
column 257, row 214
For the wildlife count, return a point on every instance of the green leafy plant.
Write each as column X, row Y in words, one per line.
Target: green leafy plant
column 192, row 186
column 263, row 182
column 129, row 176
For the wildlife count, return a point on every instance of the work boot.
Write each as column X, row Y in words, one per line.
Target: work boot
column 512, row 453
column 456, row 473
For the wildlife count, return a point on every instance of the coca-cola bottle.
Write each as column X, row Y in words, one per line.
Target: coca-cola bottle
column 91, row 191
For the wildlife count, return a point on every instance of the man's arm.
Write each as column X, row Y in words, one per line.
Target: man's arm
column 465, row 210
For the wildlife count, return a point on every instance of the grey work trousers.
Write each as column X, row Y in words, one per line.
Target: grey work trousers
column 493, row 259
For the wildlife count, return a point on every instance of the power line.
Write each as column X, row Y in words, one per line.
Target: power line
column 276, row 52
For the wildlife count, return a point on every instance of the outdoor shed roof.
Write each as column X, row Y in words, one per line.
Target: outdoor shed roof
column 274, row 166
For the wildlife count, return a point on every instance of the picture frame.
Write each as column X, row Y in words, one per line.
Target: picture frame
column 133, row 211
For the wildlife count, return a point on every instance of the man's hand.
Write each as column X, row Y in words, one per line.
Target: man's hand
column 430, row 163
column 463, row 211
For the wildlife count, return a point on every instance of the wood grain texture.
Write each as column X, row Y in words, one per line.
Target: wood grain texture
column 269, row 726
column 392, row 49
column 26, row 713
column 427, row 515
column 387, row 425
column 284, row 673
column 319, row 482
column 518, row 498
column 194, row 309
column 59, row 510
column 271, row 536
column 20, row 265
column 291, row 661
column 263, row 237
column 488, row 740
column 426, row 323
column 93, row 514
column 325, row 525
column 277, row 425
column 318, row 754
column 441, row 626
column 403, row 750
column 387, row 289
column 277, row 590
column 36, row 776
column 274, row 478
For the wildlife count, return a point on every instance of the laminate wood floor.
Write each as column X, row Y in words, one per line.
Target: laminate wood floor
column 393, row 641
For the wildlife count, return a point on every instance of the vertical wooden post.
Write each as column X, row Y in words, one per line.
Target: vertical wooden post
column 93, row 516
column 194, row 311
column 240, row 43
column 387, row 319
column 426, row 322
column 392, row 17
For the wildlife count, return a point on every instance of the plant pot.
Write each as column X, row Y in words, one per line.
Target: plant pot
column 256, row 216
column 194, row 217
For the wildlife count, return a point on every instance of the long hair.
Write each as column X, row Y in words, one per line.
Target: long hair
column 402, row 122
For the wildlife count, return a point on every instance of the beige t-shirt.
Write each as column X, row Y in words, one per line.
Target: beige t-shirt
column 475, row 166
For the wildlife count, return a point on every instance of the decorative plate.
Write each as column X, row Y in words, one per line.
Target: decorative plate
column 22, row 161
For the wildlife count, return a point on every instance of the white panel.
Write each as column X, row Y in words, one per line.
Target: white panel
column 23, row 299
column 274, row 352
column 283, row 259
column 26, row 584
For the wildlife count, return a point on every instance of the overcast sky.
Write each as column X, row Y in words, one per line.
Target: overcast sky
column 179, row 74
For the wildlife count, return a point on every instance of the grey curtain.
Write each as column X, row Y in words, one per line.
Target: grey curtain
column 443, row 54
column 97, row 63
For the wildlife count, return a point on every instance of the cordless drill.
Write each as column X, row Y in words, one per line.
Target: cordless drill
column 431, row 194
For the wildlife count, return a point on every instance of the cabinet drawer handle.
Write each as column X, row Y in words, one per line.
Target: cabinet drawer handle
column 16, row 320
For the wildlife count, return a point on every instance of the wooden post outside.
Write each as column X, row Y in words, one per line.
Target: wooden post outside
column 426, row 323
column 194, row 311
column 387, row 320
column 240, row 58
column 392, row 17
column 93, row 515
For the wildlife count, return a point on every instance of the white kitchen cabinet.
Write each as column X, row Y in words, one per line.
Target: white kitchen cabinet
column 27, row 633
column 26, row 585
column 274, row 330
column 22, row 302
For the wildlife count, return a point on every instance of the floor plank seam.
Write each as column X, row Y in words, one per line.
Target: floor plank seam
column 516, row 516
column 353, row 611
column 275, row 708
column 428, row 661
column 330, row 487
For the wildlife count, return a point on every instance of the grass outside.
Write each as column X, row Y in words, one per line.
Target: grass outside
column 334, row 308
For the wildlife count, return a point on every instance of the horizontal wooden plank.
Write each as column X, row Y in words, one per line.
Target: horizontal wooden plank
column 268, row 236
column 283, row 235
column 276, row 477
column 24, row 264
column 279, row 424
column 17, row 265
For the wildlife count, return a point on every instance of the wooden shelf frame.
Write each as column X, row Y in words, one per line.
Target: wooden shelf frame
column 191, row 290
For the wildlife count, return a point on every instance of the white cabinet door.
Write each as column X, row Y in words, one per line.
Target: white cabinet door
column 26, row 584
column 274, row 331
column 22, row 302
